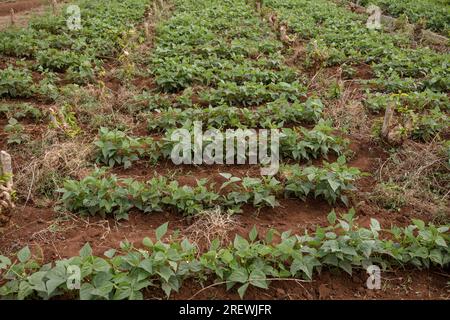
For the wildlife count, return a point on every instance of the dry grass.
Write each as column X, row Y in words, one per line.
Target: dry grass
column 210, row 225
column 343, row 101
column 421, row 176
column 348, row 114
column 56, row 161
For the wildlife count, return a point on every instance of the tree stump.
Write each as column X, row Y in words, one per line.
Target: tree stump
column 6, row 188
column 55, row 7
column 387, row 121
column 13, row 16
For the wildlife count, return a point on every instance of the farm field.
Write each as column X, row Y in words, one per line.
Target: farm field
column 92, row 94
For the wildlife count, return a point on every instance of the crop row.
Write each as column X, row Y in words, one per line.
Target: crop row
column 275, row 114
column 415, row 101
column 413, row 81
column 222, row 45
column 109, row 195
column 254, row 261
column 433, row 14
column 336, row 36
column 78, row 53
column 421, row 115
column 115, row 147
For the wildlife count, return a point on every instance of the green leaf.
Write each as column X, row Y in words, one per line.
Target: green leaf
column 86, row 251
column 161, row 231
column 165, row 272
column 215, row 244
column 258, row 279
column 240, row 243
column 341, row 160
column 186, row 245
column 122, row 293
column 443, row 229
column 242, row 289
column 332, row 217
column 239, row 275
column 227, row 257
column 440, row 241
column 24, row 254
column 436, row 256
column 24, row 290
column 147, row 242
column 54, row 283
column 269, row 236
column 253, row 234
column 333, row 184
column 110, row 253
column 374, row 225
column 344, row 225
column 419, row 223
column 226, row 175
column 147, row 265
column 346, row 266
column 5, row 262
column 298, row 265
column 166, row 288
column 101, row 265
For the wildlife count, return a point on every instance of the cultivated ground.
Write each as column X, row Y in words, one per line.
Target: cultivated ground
column 156, row 67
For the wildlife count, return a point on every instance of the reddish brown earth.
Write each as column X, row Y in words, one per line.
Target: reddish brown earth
column 20, row 6
column 59, row 236
column 39, row 229
column 55, row 235
column 24, row 11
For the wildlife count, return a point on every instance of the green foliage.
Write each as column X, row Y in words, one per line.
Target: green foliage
column 275, row 114
column 115, row 147
column 431, row 14
column 77, row 53
column 331, row 182
column 65, row 120
column 99, row 194
column 15, row 132
column 110, row 195
column 251, row 93
column 260, row 192
column 18, row 42
column 190, row 200
column 16, row 83
column 311, row 144
column 389, row 195
column 427, row 126
column 47, row 87
column 446, row 150
column 417, row 101
column 240, row 63
column 20, row 111
column 334, row 36
column 248, row 261
column 424, row 126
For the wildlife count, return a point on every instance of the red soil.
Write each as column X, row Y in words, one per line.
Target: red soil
column 20, row 6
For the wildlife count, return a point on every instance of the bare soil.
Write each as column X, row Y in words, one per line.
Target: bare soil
column 23, row 10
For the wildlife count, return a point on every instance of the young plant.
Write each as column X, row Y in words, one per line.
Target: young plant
column 115, row 147
column 16, row 83
column 15, row 132
column 249, row 261
column 332, row 182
